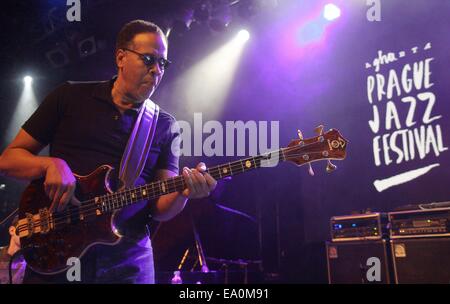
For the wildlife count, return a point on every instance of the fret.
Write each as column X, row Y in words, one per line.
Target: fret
column 128, row 197
column 224, row 171
column 147, row 191
column 218, row 170
column 159, row 188
column 170, row 185
column 121, row 199
column 163, row 187
column 231, row 171
column 214, row 172
column 116, row 200
column 106, row 202
column 179, row 183
column 242, row 165
column 151, row 190
column 254, row 162
column 113, row 200
column 144, row 193
column 247, row 164
column 282, row 154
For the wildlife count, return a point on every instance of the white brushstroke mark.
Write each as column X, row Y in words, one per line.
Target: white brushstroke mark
column 401, row 178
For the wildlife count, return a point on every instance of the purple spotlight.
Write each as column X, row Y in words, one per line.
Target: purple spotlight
column 331, row 12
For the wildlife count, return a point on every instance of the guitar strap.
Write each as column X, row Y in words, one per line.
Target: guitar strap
column 139, row 143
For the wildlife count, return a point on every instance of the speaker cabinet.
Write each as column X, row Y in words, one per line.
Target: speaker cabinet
column 353, row 262
column 421, row 260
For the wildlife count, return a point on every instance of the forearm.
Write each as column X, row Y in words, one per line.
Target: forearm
column 20, row 164
column 168, row 206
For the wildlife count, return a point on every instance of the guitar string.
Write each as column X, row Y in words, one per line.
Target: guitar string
column 88, row 211
column 138, row 189
column 86, row 207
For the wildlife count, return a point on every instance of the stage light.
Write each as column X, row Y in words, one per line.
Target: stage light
column 58, row 57
column 28, row 80
column 87, row 47
column 220, row 17
column 202, row 11
column 243, row 35
column 331, row 12
column 213, row 77
column 181, row 21
column 24, row 107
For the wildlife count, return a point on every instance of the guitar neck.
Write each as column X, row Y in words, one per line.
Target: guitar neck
column 120, row 199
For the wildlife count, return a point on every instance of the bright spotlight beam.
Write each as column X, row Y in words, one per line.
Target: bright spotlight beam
column 331, row 12
column 243, row 36
column 206, row 85
column 25, row 106
column 28, row 79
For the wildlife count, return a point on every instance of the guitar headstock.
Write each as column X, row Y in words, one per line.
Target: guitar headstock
column 325, row 146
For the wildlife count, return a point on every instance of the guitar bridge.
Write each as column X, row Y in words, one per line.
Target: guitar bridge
column 46, row 220
column 26, row 226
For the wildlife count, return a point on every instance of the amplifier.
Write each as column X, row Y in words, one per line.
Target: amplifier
column 421, row 260
column 358, row 227
column 420, row 223
column 348, row 262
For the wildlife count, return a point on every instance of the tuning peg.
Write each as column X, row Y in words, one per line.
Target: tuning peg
column 319, row 130
column 300, row 135
column 310, row 170
column 330, row 166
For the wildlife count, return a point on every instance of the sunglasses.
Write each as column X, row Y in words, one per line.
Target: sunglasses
column 150, row 60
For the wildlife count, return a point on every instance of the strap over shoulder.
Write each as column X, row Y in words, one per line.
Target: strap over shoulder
column 139, row 143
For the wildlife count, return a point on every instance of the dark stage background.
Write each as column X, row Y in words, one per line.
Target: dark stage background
column 281, row 76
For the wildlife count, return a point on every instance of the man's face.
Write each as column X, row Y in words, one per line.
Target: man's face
column 140, row 80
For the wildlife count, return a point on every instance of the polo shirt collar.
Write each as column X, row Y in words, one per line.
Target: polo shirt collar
column 103, row 92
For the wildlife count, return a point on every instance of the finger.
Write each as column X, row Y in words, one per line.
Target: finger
column 186, row 192
column 201, row 167
column 57, row 198
column 196, row 182
column 51, row 196
column 212, row 183
column 64, row 200
column 47, row 189
column 66, row 197
column 51, row 192
column 194, row 189
column 201, row 183
column 188, row 180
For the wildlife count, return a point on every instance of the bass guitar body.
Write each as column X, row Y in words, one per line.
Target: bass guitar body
column 60, row 236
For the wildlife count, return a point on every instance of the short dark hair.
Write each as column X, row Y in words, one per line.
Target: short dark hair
column 132, row 28
column 15, row 221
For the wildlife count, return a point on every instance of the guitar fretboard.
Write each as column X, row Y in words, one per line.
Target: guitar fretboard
column 120, row 199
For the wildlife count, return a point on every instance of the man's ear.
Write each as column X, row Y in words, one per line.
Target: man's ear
column 120, row 57
column 12, row 231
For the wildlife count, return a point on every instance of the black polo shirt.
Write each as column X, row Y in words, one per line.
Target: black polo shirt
column 84, row 127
